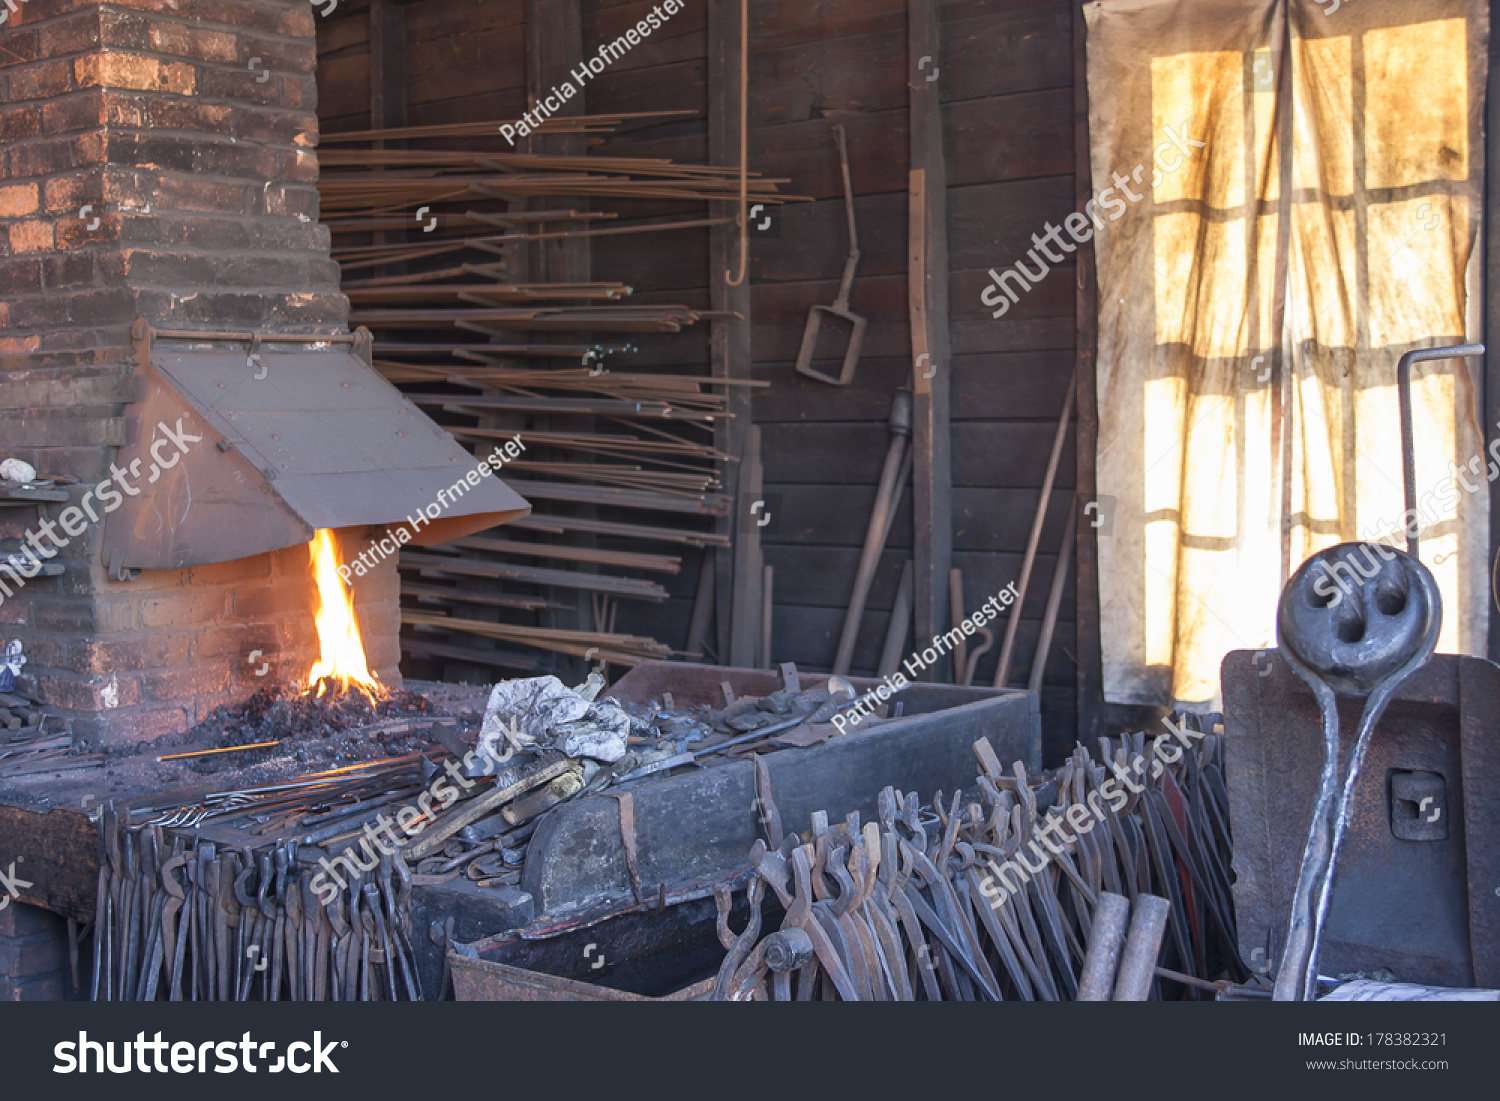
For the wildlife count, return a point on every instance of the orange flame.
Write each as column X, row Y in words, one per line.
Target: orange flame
column 343, row 657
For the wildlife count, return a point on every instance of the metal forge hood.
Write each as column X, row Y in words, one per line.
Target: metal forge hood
column 268, row 446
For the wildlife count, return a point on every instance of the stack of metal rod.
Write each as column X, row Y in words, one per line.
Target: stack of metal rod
column 998, row 897
column 436, row 246
column 181, row 919
column 316, row 808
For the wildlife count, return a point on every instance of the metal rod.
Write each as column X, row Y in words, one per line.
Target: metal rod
column 1054, row 598
column 703, row 603
column 226, row 749
column 1007, row 647
column 1408, row 443
column 900, row 622
column 885, row 495
column 1107, row 938
column 1148, row 923
column 767, row 576
column 956, row 616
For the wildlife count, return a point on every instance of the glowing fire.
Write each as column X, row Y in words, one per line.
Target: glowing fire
column 343, row 661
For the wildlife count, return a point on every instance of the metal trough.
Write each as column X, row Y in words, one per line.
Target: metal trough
column 672, row 837
column 671, row 955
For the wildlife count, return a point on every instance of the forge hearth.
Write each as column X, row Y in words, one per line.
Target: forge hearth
column 163, row 272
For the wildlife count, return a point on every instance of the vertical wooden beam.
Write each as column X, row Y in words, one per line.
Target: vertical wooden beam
column 1086, row 601
column 387, row 64
column 1490, row 295
column 730, row 340
column 554, row 49
column 927, row 295
column 387, row 78
column 745, row 611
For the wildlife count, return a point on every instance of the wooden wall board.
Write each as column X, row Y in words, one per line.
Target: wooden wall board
column 1009, row 454
column 808, row 636
column 989, row 386
column 994, row 53
column 994, row 521
column 1007, row 88
column 683, row 37
column 814, row 574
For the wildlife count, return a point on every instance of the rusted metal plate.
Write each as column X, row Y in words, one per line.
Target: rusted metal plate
column 478, row 980
column 291, row 441
column 1425, row 909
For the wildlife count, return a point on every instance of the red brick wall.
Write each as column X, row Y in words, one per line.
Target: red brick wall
column 202, row 172
column 34, row 965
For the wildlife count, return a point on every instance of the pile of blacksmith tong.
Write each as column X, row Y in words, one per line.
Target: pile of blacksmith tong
column 911, row 907
column 179, row 919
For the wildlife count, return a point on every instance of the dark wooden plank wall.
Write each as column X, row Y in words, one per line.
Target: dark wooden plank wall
column 1007, row 79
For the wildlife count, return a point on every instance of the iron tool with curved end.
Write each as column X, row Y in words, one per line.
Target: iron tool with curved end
column 1360, row 639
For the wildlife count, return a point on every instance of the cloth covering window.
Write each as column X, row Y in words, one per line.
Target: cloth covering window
column 1256, row 292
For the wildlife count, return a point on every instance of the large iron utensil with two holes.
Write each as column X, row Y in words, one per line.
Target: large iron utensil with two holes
column 1356, row 619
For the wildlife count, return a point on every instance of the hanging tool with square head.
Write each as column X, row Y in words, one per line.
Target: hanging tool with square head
column 840, row 307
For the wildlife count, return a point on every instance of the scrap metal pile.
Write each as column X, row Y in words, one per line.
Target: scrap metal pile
column 961, row 902
column 790, row 717
column 32, row 737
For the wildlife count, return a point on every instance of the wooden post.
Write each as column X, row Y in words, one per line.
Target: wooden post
column 767, row 599
column 745, row 611
column 554, row 49
column 927, row 295
column 1086, row 597
column 730, row 338
column 387, row 65
column 1491, row 285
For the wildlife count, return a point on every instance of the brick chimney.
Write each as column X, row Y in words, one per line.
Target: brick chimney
column 156, row 161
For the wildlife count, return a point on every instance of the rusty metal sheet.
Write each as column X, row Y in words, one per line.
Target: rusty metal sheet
column 292, row 441
column 479, row 980
column 1424, row 909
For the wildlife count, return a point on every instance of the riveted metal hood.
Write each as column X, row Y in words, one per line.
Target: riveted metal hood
column 233, row 454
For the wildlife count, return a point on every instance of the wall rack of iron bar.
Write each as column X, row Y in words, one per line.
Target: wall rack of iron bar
column 638, row 440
